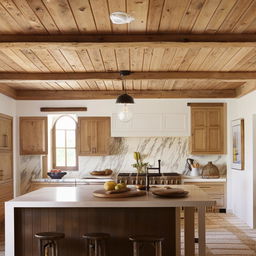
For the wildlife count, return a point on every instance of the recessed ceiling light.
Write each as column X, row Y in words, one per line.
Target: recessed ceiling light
column 121, row 18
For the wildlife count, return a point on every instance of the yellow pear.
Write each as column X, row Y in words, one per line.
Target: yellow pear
column 109, row 185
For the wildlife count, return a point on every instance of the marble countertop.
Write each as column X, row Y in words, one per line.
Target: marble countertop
column 83, row 197
column 73, row 180
column 102, row 180
column 200, row 179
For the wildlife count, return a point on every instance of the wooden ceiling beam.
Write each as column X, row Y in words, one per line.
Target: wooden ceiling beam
column 123, row 41
column 88, row 95
column 245, row 89
column 11, row 77
column 8, row 91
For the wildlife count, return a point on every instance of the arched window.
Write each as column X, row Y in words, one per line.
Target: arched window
column 64, row 144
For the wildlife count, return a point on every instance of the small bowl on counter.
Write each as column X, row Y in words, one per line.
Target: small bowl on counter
column 56, row 174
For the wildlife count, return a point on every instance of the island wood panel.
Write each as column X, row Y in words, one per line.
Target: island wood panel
column 74, row 222
column 102, row 59
column 50, row 17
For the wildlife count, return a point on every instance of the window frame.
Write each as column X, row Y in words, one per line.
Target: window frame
column 64, row 168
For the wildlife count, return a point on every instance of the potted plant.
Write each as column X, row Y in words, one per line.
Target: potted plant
column 139, row 165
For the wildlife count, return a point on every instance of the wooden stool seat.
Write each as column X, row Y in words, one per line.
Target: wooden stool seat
column 140, row 241
column 96, row 243
column 96, row 236
column 49, row 235
column 149, row 239
column 48, row 245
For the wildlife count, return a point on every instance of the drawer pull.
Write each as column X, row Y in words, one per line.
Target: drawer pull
column 5, row 141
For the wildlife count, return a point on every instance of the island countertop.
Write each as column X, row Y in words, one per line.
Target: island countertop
column 82, row 196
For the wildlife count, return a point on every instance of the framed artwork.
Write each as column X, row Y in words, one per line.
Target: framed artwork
column 238, row 144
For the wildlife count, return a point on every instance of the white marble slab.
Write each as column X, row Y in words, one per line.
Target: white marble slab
column 83, row 197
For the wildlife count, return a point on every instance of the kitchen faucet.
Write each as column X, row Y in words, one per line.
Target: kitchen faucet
column 147, row 173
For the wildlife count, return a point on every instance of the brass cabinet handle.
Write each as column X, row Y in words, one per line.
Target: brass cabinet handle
column 5, row 140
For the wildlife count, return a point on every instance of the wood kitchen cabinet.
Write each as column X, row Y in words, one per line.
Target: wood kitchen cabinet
column 93, row 136
column 6, row 165
column 5, row 132
column 208, row 128
column 33, row 135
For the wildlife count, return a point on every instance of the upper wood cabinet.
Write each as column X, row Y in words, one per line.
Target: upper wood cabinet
column 5, row 132
column 93, row 136
column 208, row 128
column 33, row 135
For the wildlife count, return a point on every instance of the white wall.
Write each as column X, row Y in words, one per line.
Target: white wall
column 241, row 184
column 8, row 107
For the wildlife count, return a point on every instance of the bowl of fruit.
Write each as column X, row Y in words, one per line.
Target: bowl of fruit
column 56, row 174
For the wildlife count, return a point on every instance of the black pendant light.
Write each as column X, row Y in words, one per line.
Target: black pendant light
column 124, row 98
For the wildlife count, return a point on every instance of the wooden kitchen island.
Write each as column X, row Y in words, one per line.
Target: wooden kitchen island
column 75, row 211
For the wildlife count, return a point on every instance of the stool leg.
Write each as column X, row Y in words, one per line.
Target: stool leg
column 41, row 248
column 136, row 249
column 96, row 248
column 55, row 245
column 158, row 248
column 91, row 248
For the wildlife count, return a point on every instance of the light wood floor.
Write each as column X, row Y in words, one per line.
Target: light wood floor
column 226, row 235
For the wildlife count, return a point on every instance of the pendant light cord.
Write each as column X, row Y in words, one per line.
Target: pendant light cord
column 123, row 86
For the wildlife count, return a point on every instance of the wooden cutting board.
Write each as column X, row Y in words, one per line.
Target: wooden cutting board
column 132, row 193
column 173, row 192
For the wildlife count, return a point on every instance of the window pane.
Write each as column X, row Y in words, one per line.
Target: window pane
column 60, row 157
column 71, row 139
column 71, row 157
column 66, row 122
column 60, row 139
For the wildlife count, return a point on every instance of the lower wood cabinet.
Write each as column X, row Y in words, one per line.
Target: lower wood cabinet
column 5, row 195
column 6, row 172
column 215, row 191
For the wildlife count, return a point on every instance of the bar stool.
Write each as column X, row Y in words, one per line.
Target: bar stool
column 96, row 243
column 140, row 241
column 48, row 243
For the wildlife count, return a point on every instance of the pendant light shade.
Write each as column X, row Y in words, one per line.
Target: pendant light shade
column 125, row 115
column 125, row 99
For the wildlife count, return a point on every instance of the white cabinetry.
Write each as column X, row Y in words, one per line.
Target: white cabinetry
column 151, row 125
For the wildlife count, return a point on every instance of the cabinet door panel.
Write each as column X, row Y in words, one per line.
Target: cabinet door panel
column 214, row 139
column 214, row 117
column 207, row 128
column 103, row 135
column 6, row 172
column 93, row 135
column 33, row 135
column 84, row 136
column 199, row 117
column 199, row 140
column 5, row 132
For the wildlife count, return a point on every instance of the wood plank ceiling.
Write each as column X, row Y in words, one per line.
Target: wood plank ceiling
column 20, row 18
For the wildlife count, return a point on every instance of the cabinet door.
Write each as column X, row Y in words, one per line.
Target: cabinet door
column 215, row 130
column 33, row 135
column 93, row 135
column 5, row 132
column 6, row 172
column 199, row 130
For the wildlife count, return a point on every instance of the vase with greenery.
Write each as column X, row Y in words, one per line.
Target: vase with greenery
column 139, row 165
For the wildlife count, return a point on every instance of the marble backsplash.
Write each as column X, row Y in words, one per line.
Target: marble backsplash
column 173, row 152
